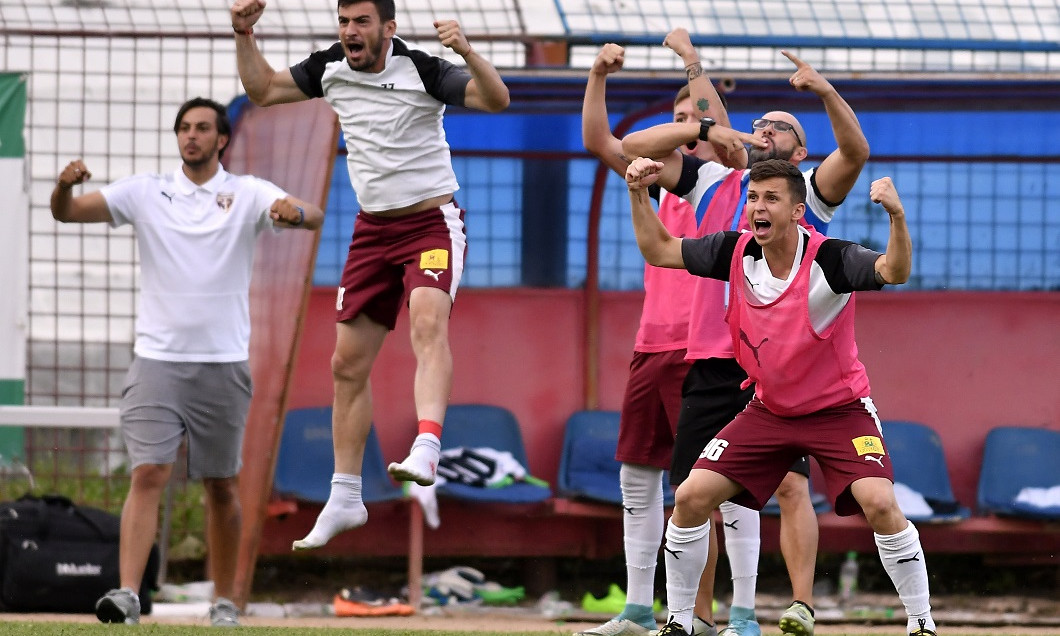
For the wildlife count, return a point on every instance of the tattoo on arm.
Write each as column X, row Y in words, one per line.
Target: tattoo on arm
column 879, row 278
column 703, row 105
column 623, row 157
column 693, row 71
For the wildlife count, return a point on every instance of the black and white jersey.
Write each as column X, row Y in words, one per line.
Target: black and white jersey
column 840, row 268
column 397, row 154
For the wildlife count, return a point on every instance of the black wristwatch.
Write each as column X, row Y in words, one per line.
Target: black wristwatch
column 704, row 127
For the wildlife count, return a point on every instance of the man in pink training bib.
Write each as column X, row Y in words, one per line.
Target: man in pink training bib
column 791, row 319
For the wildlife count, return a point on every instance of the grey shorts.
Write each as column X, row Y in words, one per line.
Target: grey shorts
column 207, row 401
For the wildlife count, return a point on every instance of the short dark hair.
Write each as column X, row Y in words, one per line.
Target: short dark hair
column 786, row 170
column 385, row 8
column 685, row 92
column 224, row 127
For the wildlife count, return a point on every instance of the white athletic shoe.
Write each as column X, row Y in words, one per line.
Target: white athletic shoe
column 615, row 627
column 797, row 620
column 701, row 627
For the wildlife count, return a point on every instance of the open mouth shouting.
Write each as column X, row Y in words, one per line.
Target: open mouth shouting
column 761, row 227
column 354, row 48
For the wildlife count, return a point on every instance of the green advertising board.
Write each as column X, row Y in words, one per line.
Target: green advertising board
column 12, row 334
column 12, row 114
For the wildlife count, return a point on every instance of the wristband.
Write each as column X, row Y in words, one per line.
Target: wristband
column 301, row 216
column 247, row 31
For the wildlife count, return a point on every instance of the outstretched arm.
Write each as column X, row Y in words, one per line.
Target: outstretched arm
column 893, row 266
column 660, row 142
column 264, row 85
column 596, row 128
column 837, row 173
column 705, row 99
column 657, row 245
column 486, row 91
column 87, row 208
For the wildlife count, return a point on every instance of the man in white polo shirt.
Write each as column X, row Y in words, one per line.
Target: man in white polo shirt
column 196, row 228
column 408, row 241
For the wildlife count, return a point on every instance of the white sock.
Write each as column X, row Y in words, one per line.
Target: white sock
column 427, row 497
column 686, row 556
column 642, row 526
column 343, row 511
column 903, row 559
column 743, row 542
column 422, row 463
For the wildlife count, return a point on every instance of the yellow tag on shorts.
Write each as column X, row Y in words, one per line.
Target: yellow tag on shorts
column 868, row 444
column 434, row 259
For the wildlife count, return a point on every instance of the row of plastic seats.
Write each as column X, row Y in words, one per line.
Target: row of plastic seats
column 1014, row 459
column 306, row 460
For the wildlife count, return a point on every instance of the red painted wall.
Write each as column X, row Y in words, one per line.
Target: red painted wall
column 960, row 362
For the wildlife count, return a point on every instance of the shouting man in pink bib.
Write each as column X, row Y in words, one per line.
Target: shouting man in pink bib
column 791, row 319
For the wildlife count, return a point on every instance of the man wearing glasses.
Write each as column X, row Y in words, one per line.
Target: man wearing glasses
column 713, row 391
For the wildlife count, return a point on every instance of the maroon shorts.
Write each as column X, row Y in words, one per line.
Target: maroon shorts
column 756, row 451
column 650, row 408
column 391, row 256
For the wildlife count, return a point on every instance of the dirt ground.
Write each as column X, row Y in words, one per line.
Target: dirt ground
column 968, row 596
column 956, row 615
column 967, row 600
column 508, row 623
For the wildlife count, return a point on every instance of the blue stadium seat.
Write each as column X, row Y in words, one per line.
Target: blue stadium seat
column 1015, row 458
column 488, row 426
column 306, row 460
column 919, row 462
column 587, row 465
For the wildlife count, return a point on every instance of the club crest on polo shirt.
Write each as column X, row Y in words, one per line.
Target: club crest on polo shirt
column 434, row 259
column 868, row 445
column 224, row 201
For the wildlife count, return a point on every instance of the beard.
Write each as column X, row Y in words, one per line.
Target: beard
column 756, row 154
column 371, row 53
column 203, row 159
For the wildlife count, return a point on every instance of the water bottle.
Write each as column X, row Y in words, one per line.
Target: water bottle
column 848, row 578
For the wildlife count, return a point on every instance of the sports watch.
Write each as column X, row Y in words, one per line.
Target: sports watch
column 704, row 127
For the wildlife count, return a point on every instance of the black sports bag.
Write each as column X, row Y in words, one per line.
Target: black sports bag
column 56, row 556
